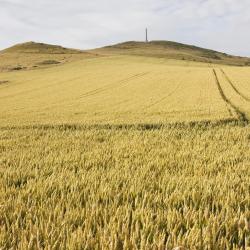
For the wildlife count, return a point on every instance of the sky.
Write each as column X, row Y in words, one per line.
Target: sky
column 222, row 25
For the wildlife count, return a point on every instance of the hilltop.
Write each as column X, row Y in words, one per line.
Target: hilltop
column 173, row 50
column 32, row 55
column 41, row 48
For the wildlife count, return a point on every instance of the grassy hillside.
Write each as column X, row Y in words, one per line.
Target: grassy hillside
column 33, row 47
column 33, row 55
column 123, row 151
column 173, row 50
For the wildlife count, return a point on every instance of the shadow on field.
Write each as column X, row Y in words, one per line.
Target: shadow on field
column 141, row 126
column 3, row 82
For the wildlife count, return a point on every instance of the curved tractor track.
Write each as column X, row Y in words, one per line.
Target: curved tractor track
column 241, row 116
column 113, row 85
column 165, row 97
column 233, row 86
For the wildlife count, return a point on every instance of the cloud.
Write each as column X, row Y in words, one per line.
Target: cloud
column 221, row 25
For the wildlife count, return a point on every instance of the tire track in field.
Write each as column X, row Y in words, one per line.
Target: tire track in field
column 113, row 85
column 241, row 116
column 165, row 97
column 234, row 87
column 100, row 90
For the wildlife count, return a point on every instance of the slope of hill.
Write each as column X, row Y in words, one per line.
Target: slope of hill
column 41, row 48
column 173, row 50
column 31, row 55
column 35, row 55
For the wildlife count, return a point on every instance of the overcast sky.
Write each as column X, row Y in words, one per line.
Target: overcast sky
column 217, row 24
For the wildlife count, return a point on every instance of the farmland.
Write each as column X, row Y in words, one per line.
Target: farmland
column 115, row 151
column 139, row 91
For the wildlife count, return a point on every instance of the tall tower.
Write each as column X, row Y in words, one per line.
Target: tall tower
column 146, row 35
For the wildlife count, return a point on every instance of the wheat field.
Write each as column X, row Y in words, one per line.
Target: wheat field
column 113, row 90
column 125, row 152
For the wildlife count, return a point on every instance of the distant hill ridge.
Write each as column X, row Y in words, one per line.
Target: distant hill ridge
column 174, row 50
column 164, row 44
column 40, row 48
column 32, row 55
column 158, row 49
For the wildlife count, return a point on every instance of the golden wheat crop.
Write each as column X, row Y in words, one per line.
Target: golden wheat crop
column 240, row 76
column 111, row 90
column 125, row 152
column 125, row 188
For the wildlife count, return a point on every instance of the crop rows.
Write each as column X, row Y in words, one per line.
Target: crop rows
column 125, row 188
column 110, row 90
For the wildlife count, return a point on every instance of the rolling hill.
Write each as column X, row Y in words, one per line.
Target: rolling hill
column 32, row 55
column 42, row 48
column 174, row 50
